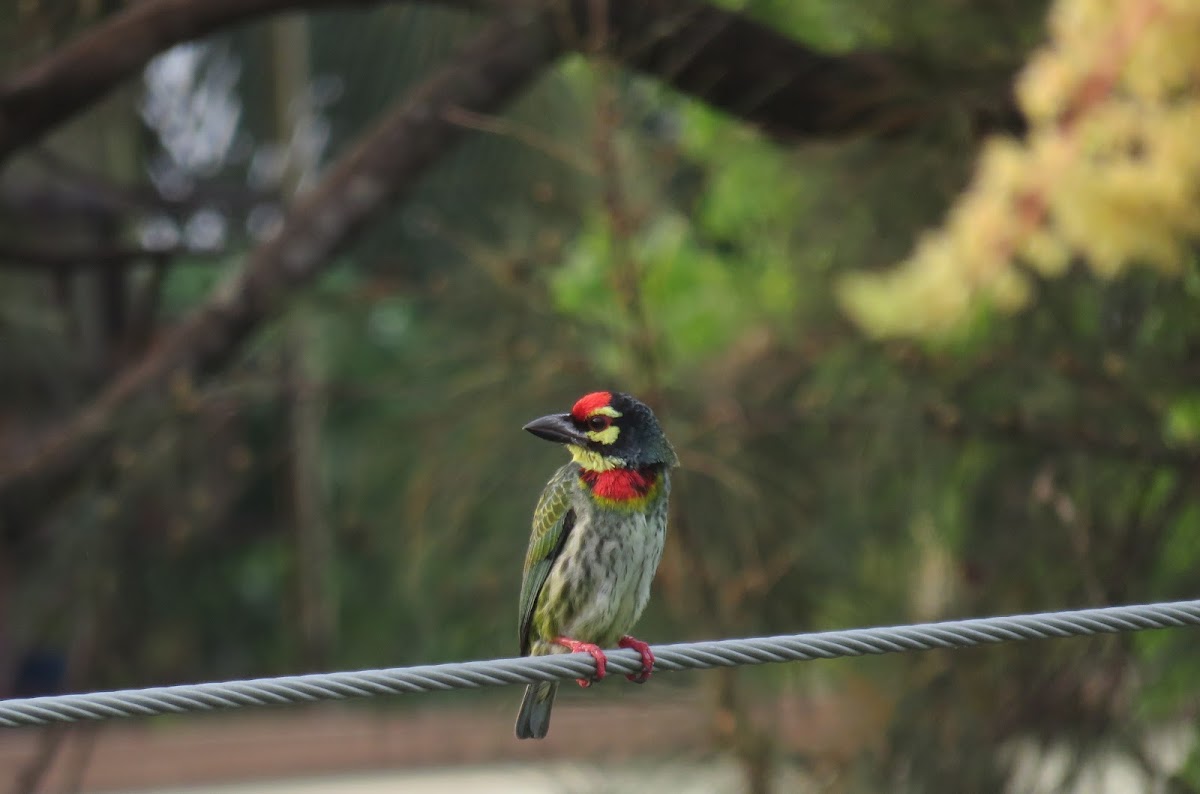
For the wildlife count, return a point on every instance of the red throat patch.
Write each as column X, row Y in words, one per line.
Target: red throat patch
column 620, row 485
column 588, row 403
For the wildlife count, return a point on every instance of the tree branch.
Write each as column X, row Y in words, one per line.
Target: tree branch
column 493, row 69
column 756, row 74
column 51, row 260
column 720, row 57
column 74, row 189
column 84, row 70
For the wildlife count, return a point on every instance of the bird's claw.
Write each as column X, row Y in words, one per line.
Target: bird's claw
column 647, row 658
column 586, row 647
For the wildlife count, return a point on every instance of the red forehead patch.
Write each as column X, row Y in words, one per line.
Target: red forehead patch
column 590, row 402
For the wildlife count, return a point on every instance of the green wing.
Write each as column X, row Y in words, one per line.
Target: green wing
column 552, row 522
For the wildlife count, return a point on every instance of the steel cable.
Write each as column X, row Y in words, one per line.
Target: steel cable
column 502, row 672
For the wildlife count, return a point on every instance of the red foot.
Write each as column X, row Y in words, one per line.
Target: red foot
column 586, row 647
column 647, row 658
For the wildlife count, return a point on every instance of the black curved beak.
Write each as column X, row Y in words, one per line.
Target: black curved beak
column 557, row 428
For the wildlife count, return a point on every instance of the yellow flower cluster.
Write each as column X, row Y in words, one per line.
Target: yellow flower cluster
column 1109, row 173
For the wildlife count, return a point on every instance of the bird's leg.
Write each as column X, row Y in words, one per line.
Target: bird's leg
column 586, row 647
column 647, row 658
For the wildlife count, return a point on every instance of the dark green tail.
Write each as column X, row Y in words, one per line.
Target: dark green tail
column 534, row 718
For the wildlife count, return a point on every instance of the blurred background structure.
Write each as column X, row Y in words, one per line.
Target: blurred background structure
column 914, row 288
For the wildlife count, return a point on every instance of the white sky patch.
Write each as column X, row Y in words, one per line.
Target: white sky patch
column 191, row 101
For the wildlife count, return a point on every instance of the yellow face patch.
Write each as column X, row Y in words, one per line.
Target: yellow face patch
column 606, row 436
column 609, row 434
column 594, row 461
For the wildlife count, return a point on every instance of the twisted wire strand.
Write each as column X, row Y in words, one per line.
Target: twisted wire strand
column 502, row 672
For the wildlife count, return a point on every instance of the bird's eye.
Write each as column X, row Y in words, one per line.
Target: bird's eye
column 599, row 422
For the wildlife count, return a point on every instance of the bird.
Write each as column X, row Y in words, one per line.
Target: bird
column 598, row 534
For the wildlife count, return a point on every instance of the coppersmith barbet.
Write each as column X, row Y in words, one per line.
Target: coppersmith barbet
column 598, row 533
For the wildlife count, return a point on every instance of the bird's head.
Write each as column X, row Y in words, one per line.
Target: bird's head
column 608, row 430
